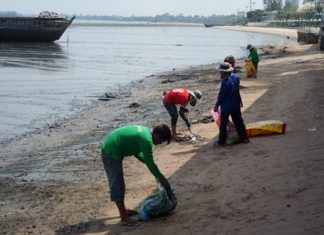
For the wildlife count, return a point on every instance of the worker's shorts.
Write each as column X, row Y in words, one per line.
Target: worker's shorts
column 114, row 171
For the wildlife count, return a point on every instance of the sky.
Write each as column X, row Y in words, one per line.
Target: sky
column 131, row 7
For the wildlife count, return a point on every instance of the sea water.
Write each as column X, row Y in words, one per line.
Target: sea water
column 44, row 82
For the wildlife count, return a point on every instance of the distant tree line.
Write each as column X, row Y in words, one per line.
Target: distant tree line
column 180, row 18
column 286, row 10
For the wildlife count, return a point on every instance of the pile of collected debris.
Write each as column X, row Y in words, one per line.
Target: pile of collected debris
column 48, row 14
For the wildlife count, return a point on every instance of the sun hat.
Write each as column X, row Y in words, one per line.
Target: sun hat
column 196, row 94
column 225, row 67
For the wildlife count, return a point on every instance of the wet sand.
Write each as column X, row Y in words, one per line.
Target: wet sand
column 53, row 182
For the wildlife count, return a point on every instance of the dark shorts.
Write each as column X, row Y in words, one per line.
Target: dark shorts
column 114, row 171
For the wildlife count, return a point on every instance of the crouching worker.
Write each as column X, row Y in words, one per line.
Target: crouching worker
column 180, row 97
column 126, row 141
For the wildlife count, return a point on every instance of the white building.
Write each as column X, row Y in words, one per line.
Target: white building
column 241, row 13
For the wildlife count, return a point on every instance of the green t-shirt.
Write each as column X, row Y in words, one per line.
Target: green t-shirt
column 132, row 140
column 254, row 55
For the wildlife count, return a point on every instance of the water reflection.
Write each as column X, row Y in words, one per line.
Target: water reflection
column 42, row 56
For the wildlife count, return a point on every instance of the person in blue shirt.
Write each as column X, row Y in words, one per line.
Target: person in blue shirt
column 229, row 101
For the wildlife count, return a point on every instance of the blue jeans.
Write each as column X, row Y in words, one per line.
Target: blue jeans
column 114, row 171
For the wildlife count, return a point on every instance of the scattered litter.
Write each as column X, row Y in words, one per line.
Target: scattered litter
column 134, row 105
column 300, row 62
column 111, row 96
column 204, row 119
column 188, row 139
column 193, row 138
column 168, row 80
column 312, row 129
column 107, row 97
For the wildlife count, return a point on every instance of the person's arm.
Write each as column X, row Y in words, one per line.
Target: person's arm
column 216, row 107
column 183, row 114
column 241, row 103
column 147, row 154
column 221, row 95
column 140, row 157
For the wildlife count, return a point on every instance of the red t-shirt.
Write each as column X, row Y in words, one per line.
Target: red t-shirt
column 177, row 96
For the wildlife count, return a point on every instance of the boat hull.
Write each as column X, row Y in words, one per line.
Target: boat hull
column 28, row 29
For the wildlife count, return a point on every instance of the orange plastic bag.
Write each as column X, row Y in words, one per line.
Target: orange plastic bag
column 267, row 127
column 250, row 69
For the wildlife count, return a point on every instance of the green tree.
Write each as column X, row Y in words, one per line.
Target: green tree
column 255, row 16
column 272, row 5
column 289, row 6
column 318, row 4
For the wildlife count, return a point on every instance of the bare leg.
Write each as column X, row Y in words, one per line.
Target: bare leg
column 174, row 130
column 122, row 210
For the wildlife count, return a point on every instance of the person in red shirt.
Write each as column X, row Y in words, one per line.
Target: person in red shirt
column 180, row 96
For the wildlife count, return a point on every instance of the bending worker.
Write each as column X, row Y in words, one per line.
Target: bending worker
column 137, row 141
column 180, row 97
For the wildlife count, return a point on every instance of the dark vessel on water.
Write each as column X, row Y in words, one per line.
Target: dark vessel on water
column 44, row 28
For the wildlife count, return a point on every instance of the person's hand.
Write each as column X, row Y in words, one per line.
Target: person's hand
column 183, row 110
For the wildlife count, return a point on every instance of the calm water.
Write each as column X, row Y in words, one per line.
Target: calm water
column 41, row 83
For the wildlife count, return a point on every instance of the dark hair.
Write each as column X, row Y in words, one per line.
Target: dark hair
column 230, row 59
column 164, row 132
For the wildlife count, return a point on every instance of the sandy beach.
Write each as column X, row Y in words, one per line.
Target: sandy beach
column 53, row 182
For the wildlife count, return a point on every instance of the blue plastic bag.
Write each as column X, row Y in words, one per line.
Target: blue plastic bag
column 159, row 203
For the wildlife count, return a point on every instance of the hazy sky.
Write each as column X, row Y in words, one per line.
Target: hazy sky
column 130, row 7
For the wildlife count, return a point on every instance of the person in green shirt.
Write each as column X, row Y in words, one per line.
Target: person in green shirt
column 137, row 141
column 254, row 56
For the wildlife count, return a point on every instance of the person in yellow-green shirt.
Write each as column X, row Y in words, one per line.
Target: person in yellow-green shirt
column 137, row 141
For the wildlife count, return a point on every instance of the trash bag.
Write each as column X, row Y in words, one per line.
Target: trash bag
column 231, row 134
column 157, row 204
column 267, row 127
column 250, row 69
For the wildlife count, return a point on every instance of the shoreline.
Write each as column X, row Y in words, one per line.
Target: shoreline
column 58, row 175
column 292, row 33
